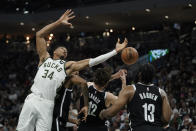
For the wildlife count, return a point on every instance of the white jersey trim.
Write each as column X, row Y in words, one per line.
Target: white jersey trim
column 57, row 124
column 134, row 87
column 61, row 109
column 105, row 95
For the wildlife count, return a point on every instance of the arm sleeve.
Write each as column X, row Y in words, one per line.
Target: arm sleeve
column 102, row 58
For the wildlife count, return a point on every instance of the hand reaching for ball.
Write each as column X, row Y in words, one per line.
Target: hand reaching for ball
column 121, row 46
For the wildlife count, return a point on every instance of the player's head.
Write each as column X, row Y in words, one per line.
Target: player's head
column 102, row 76
column 60, row 52
column 146, row 73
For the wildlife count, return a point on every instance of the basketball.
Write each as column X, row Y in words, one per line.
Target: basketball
column 129, row 55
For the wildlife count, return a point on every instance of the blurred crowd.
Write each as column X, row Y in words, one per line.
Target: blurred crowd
column 176, row 73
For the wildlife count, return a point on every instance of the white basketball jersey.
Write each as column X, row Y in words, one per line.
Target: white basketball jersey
column 50, row 76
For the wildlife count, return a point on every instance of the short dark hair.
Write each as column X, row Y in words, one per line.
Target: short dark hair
column 146, row 73
column 102, row 76
column 54, row 46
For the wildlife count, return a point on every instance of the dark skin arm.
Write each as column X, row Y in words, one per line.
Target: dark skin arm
column 111, row 99
column 77, row 80
column 124, row 97
column 118, row 74
column 42, row 34
column 80, row 65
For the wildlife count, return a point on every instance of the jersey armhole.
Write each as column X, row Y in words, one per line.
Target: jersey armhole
column 65, row 68
column 89, row 84
column 159, row 90
column 105, row 96
column 134, row 87
column 43, row 62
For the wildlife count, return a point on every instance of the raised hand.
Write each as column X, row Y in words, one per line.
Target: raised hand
column 123, row 78
column 121, row 46
column 68, row 15
column 76, row 121
column 118, row 74
column 84, row 110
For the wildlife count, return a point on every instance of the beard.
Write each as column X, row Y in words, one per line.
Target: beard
column 62, row 57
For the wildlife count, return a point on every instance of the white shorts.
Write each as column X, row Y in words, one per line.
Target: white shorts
column 36, row 113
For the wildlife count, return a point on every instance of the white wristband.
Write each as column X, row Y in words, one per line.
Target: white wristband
column 102, row 58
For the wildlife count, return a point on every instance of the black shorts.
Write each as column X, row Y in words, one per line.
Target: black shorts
column 147, row 128
column 57, row 125
column 92, row 128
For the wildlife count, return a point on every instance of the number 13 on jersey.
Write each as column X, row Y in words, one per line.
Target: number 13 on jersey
column 149, row 110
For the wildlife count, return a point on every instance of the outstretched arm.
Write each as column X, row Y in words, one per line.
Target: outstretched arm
column 110, row 98
column 95, row 61
column 124, row 97
column 118, row 74
column 40, row 35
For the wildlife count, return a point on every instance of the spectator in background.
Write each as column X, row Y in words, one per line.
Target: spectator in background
column 186, row 123
column 176, row 71
column 1, row 127
column 184, row 110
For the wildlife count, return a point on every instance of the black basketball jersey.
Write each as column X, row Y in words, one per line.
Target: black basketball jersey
column 145, row 107
column 96, row 105
column 62, row 104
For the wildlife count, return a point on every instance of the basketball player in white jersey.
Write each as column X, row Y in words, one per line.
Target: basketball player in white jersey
column 38, row 107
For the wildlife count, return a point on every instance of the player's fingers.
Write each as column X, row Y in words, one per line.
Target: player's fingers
column 125, row 71
column 118, row 40
column 66, row 12
column 72, row 17
column 80, row 111
column 84, row 119
column 120, row 72
column 71, row 13
column 78, row 121
column 125, row 40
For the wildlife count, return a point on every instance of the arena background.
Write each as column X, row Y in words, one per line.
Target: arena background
column 148, row 25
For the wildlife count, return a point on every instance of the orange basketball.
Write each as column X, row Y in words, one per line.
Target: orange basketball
column 129, row 55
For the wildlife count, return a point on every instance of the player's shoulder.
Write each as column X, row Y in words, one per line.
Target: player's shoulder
column 68, row 63
column 110, row 96
column 90, row 84
column 162, row 93
column 129, row 90
column 44, row 60
column 131, row 87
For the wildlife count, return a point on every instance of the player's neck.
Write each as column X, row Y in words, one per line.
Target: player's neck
column 56, row 58
column 147, row 84
column 99, row 88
